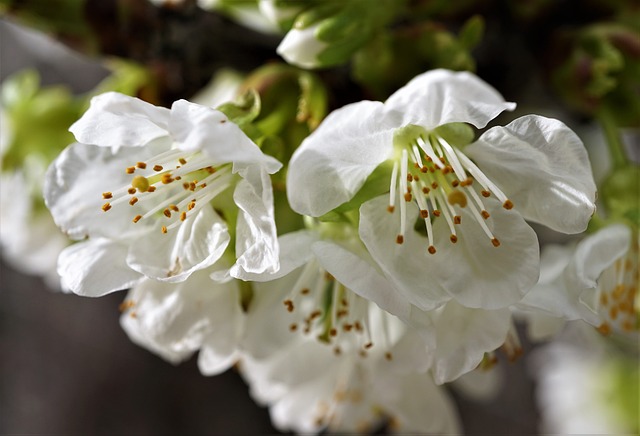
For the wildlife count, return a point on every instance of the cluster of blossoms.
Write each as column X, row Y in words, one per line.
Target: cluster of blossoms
column 414, row 255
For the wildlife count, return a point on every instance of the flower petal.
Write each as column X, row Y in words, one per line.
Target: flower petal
column 294, row 252
column 473, row 271
column 196, row 127
column 361, row 277
column 440, row 96
column 174, row 320
column 115, row 120
column 594, row 255
column 95, row 268
column 74, row 184
column 550, row 295
column 463, row 336
column 333, row 163
column 478, row 274
column 416, row 405
column 404, row 265
column 257, row 249
column 543, row 167
column 173, row 257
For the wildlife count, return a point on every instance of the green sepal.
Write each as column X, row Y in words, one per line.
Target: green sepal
column 458, row 134
column 244, row 109
column 376, row 184
column 472, row 32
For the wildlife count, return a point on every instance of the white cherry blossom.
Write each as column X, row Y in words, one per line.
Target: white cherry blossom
column 147, row 186
column 451, row 224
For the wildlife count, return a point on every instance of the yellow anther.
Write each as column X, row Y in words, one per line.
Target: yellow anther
column 131, row 191
column 183, row 216
column 390, row 208
column 157, row 168
column 407, row 196
column 604, row 329
column 424, row 213
column 485, row 214
column 130, row 170
column 453, row 238
column 107, row 195
column 141, row 165
column 133, row 201
column 182, row 161
column 457, row 197
column 436, row 212
column 399, row 239
column 174, row 208
column 507, row 205
column 167, row 213
column 289, row 305
column 457, row 219
column 431, row 249
column 163, row 229
column 455, row 183
column 485, row 193
column 166, row 178
column 152, row 188
column 495, row 242
column 141, row 183
column 137, row 218
column 106, row 206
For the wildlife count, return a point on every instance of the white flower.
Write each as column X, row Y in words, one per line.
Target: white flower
column 475, row 245
column 147, row 186
column 30, row 240
column 174, row 320
column 321, row 356
column 586, row 386
column 596, row 281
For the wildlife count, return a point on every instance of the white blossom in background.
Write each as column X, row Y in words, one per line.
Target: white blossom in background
column 145, row 185
column 301, row 47
column 586, row 386
column 596, row 281
column 30, row 240
column 476, row 247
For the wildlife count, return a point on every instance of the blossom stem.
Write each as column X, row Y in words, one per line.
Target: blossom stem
column 614, row 141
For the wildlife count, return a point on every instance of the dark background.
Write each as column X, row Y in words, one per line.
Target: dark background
column 67, row 367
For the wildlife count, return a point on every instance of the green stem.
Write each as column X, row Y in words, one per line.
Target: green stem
column 612, row 135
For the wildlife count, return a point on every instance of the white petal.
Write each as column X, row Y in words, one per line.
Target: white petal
column 405, row 265
column 115, row 120
column 333, row 162
column 295, row 251
column 196, row 244
column 478, row 274
column 257, row 249
column 593, row 256
column 473, row 271
column 439, row 97
column 543, row 167
column 96, row 267
column 550, row 295
column 195, row 127
column 174, row 320
column 74, row 184
column 463, row 335
column 417, row 405
column 361, row 277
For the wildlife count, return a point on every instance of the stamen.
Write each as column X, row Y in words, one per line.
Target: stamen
column 403, row 189
column 428, row 150
column 107, row 195
column 141, row 165
column 477, row 174
column 158, row 168
column 130, row 170
column 422, row 204
column 453, row 159
column 106, row 206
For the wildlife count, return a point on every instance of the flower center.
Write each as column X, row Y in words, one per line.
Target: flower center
column 322, row 306
column 172, row 186
column 619, row 304
column 439, row 179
